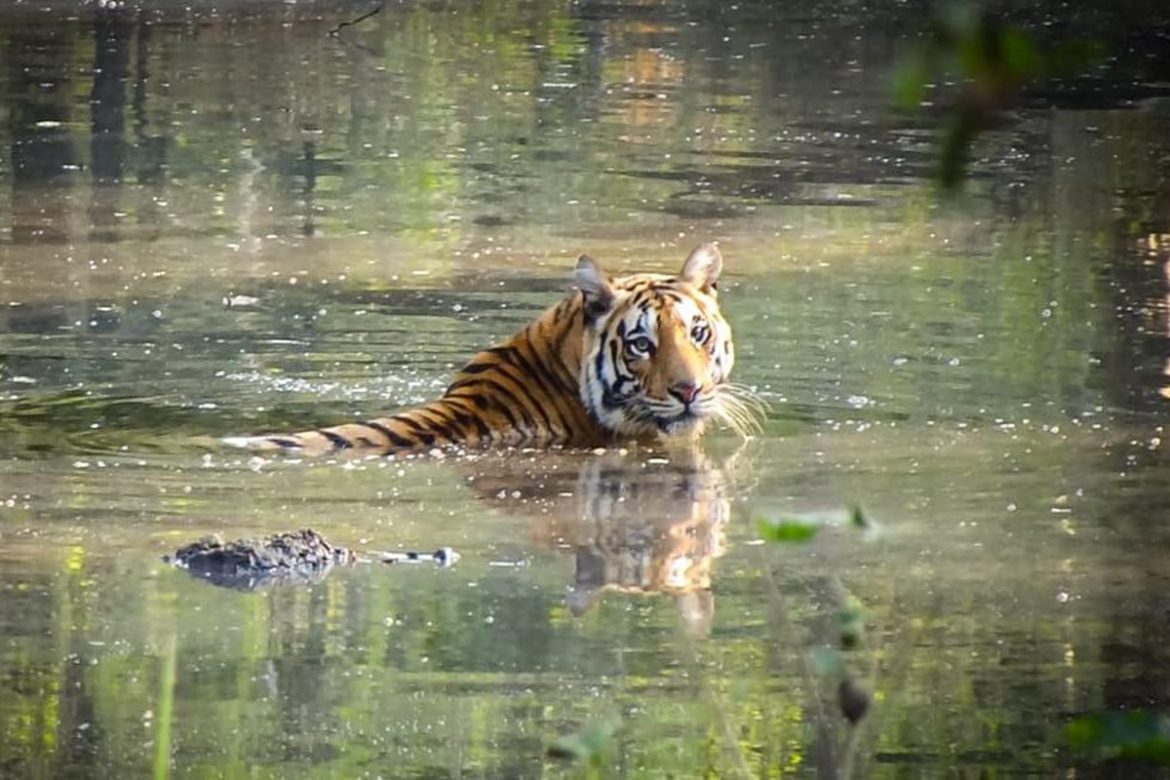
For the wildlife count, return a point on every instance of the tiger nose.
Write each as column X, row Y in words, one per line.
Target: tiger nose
column 686, row 392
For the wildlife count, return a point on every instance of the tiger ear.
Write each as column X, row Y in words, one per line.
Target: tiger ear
column 703, row 267
column 596, row 287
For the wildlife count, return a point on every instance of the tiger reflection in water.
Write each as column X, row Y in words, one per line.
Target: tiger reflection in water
column 642, row 522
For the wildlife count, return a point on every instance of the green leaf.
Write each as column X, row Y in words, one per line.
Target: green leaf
column 851, row 624
column 853, row 697
column 1071, row 57
column 585, row 744
column 787, row 529
column 569, row 747
column 1138, row 735
column 1019, row 53
column 827, row 661
column 908, row 82
column 956, row 145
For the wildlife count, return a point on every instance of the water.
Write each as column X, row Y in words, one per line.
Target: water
column 227, row 219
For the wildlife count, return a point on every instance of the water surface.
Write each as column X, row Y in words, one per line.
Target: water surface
column 237, row 218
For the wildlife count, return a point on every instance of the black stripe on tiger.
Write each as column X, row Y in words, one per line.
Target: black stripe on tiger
column 391, row 437
column 466, row 388
column 517, row 397
column 486, row 402
column 425, row 437
column 438, row 424
column 525, row 394
column 477, row 367
column 558, row 385
column 534, row 369
column 336, row 439
column 469, row 419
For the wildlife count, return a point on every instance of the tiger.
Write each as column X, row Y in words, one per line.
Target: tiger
column 640, row 357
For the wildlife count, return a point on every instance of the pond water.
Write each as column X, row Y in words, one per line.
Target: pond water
column 233, row 218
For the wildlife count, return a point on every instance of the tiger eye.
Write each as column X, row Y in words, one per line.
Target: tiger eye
column 640, row 346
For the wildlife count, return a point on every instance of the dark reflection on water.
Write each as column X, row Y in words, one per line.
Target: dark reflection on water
column 225, row 219
column 656, row 530
column 409, row 652
column 712, row 123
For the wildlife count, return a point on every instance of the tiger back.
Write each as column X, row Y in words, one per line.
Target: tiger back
column 641, row 356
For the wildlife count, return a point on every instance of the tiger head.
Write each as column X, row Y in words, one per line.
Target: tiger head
column 657, row 352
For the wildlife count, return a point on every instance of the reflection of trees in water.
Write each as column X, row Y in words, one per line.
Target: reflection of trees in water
column 1134, row 371
column 107, row 97
column 107, row 103
column 537, row 99
column 557, row 96
column 46, row 153
column 645, row 524
column 1111, row 180
column 1135, row 374
column 1131, row 508
column 1140, row 284
column 42, row 147
column 1114, row 209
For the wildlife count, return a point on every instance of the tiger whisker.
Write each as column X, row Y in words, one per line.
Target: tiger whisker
column 741, row 409
column 749, row 398
column 745, row 392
